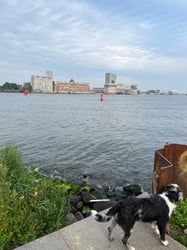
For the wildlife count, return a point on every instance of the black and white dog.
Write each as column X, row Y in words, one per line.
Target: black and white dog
column 156, row 210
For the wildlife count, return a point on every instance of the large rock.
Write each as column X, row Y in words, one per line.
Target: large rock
column 74, row 199
column 71, row 218
column 73, row 209
column 79, row 205
column 132, row 190
column 86, row 197
column 119, row 189
column 111, row 194
column 116, row 192
column 79, row 216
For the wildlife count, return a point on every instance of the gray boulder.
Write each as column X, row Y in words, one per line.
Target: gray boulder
column 86, row 197
column 79, row 216
column 71, row 218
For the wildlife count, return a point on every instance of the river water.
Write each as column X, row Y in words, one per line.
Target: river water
column 111, row 142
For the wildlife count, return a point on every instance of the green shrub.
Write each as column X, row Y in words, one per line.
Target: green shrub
column 179, row 223
column 31, row 205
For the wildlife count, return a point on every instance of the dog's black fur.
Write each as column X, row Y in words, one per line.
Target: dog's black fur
column 156, row 209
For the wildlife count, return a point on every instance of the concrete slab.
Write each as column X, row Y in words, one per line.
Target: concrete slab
column 49, row 242
column 91, row 235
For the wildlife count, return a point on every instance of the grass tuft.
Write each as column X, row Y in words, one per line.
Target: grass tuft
column 179, row 223
column 31, row 205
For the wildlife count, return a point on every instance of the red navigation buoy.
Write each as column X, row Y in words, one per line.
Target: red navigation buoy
column 101, row 97
column 26, row 92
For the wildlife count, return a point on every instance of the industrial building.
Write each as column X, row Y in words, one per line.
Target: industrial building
column 112, row 87
column 43, row 84
column 46, row 84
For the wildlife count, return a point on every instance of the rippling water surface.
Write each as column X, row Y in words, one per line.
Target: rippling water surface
column 112, row 142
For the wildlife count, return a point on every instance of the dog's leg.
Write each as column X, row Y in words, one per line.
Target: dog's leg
column 125, row 241
column 129, row 247
column 155, row 228
column 113, row 224
column 125, row 238
column 162, row 229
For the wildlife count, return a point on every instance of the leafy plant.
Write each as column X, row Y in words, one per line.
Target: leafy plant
column 179, row 223
column 31, row 205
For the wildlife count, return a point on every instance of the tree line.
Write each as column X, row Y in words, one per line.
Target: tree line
column 14, row 87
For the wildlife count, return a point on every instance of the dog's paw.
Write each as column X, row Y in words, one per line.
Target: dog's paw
column 111, row 238
column 156, row 231
column 109, row 234
column 165, row 242
column 129, row 247
column 93, row 213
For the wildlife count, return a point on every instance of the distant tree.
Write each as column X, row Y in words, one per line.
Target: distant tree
column 27, row 86
column 14, row 87
column 20, row 88
column 11, row 87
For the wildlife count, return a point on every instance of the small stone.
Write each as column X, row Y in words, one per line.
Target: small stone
column 74, row 199
column 132, row 189
column 105, row 189
column 71, row 218
column 79, row 216
column 99, row 186
column 80, row 181
column 111, row 194
column 73, row 210
column 79, row 205
column 119, row 189
column 86, row 197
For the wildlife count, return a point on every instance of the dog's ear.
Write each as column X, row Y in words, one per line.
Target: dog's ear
column 172, row 187
column 169, row 187
column 166, row 188
column 174, row 192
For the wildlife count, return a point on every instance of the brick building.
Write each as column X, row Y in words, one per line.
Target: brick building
column 72, row 87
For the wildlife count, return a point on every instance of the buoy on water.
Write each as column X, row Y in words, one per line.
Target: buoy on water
column 101, row 97
column 26, row 92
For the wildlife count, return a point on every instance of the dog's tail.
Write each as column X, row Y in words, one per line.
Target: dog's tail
column 104, row 217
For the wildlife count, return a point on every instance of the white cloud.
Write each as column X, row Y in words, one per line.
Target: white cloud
column 80, row 33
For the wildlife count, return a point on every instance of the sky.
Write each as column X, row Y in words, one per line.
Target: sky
column 143, row 42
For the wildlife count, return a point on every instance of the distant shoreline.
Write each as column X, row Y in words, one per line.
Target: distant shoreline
column 82, row 93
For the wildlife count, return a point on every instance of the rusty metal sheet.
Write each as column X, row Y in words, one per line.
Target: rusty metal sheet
column 170, row 166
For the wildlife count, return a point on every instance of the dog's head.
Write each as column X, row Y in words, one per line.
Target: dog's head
column 173, row 192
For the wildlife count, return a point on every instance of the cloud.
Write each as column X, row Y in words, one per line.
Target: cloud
column 86, row 35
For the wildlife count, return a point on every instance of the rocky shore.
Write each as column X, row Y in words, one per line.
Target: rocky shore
column 80, row 203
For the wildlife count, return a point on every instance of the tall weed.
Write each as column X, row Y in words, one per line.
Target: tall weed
column 31, row 205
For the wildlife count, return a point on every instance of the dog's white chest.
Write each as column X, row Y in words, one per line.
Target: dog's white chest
column 170, row 205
